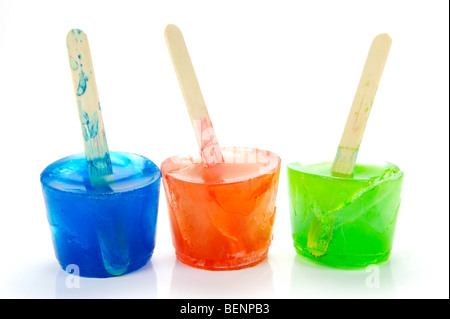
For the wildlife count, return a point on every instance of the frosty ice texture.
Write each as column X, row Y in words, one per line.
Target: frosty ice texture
column 222, row 216
column 105, row 227
column 344, row 222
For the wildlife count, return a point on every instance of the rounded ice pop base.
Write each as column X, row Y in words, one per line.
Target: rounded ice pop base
column 344, row 222
column 222, row 216
column 95, row 271
column 102, row 227
column 341, row 261
column 233, row 263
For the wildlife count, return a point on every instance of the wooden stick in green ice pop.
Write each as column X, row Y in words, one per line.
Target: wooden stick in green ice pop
column 345, row 159
column 321, row 229
column 201, row 122
column 85, row 87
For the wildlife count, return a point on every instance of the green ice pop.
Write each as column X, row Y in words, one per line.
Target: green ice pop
column 344, row 221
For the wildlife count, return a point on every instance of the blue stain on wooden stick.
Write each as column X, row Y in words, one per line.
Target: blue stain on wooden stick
column 110, row 231
column 82, row 83
column 95, row 145
column 73, row 63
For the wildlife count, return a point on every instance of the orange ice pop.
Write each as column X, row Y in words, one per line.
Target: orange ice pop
column 221, row 204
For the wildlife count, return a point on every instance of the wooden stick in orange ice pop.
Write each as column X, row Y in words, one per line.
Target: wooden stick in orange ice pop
column 204, row 131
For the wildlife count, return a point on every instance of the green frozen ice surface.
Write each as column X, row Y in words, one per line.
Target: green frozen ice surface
column 344, row 222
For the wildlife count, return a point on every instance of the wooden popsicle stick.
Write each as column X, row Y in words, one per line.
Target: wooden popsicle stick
column 201, row 122
column 85, row 87
column 321, row 230
column 345, row 159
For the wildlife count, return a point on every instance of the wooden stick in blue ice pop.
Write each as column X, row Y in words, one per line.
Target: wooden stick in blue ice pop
column 95, row 146
column 111, row 235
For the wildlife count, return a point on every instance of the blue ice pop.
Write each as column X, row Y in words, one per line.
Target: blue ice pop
column 102, row 206
column 104, row 230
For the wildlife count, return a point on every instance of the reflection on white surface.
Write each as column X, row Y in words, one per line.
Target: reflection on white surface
column 139, row 284
column 282, row 275
column 310, row 280
column 252, row 282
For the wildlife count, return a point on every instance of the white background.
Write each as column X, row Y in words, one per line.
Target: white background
column 277, row 75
